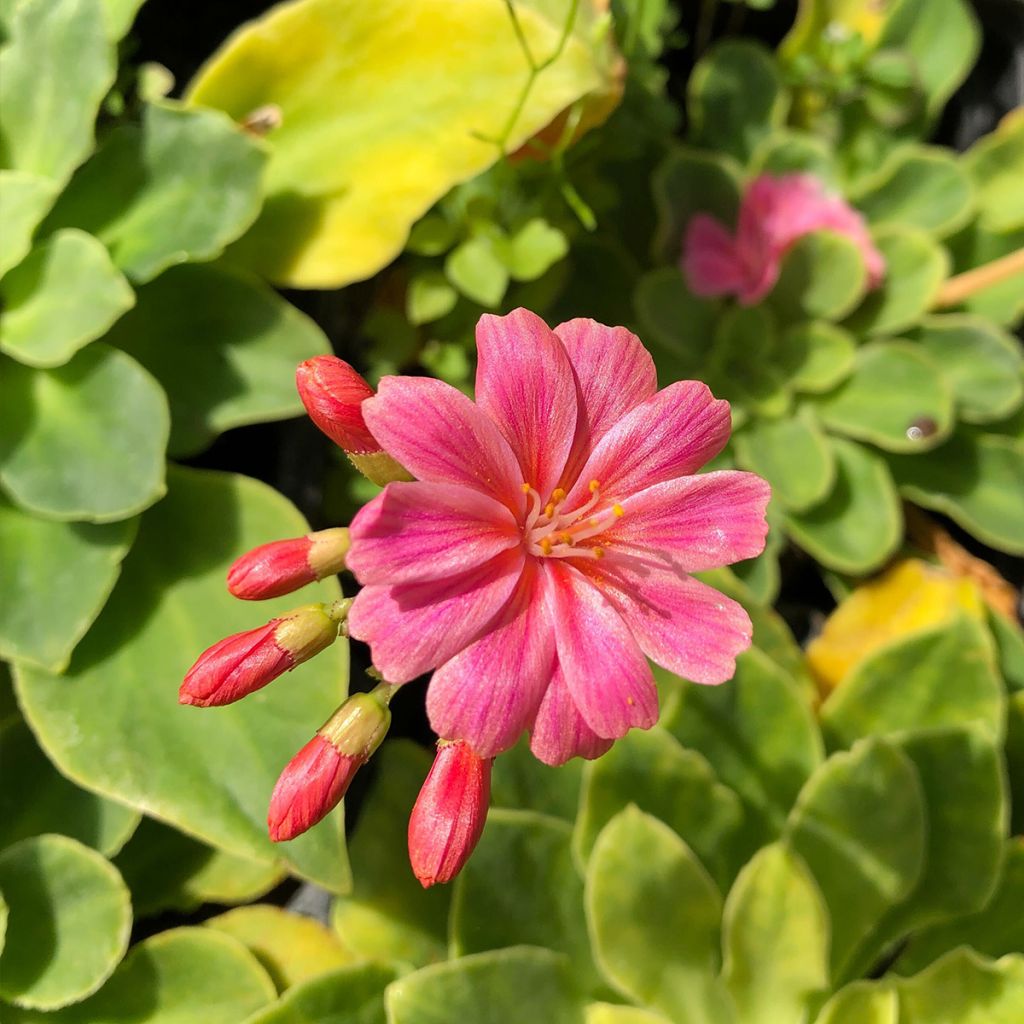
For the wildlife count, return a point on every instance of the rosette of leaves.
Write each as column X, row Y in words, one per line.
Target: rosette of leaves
column 754, row 857
column 846, row 399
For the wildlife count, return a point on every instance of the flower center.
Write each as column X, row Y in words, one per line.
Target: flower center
column 551, row 533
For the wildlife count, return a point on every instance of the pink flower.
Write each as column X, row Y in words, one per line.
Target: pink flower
column 450, row 812
column 286, row 565
column 544, row 551
column 775, row 212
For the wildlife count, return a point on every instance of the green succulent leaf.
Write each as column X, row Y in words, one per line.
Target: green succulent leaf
column 983, row 364
column 816, row 355
column 976, row 479
column 177, row 187
column 759, row 735
column 823, row 277
column 735, row 98
column 742, row 366
column 476, row 268
column 349, row 995
column 84, row 441
column 55, row 68
column 673, row 784
column 919, row 186
column 44, row 801
column 520, row 781
column 666, row 961
column 506, row 986
column 534, row 249
column 80, row 561
column 25, row 200
column 894, row 388
column 65, row 294
column 973, row 247
column 432, row 236
column 224, row 347
column 347, row 180
column 792, row 454
column 430, row 297
column 995, row 929
column 859, row 825
column 389, row 916
column 676, row 324
column 610, row 1013
column 995, row 164
column 119, row 15
column 870, row 703
column 862, row 1003
column 688, row 182
column 775, row 935
column 858, row 526
column 68, row 925
column 168, row 870
column 539, row 901
column 788, row 151
column 180, row 976
column 113, row 722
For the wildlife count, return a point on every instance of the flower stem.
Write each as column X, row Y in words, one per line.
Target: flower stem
column 964, row 285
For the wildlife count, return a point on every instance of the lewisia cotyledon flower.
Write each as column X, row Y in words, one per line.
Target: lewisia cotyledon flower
column 545, row 549
column 775, row 213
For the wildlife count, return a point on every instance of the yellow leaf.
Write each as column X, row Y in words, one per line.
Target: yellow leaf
column 911, row 596
column 384, row 107
column 290, row 946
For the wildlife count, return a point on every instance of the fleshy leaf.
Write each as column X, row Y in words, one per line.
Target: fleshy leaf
column 25, row 199
column 858, row 526
column 915, row 267
column 44, row 801
column 65, row 294
column 775, row 936
column 345, row 182
column 817, row 355
column 823, row 276
column 995, row 163
column 520, row 781
column 667, row 960
column 84, row 441
column 55, row 67
column 675, row 785
column 894, row 389
column 350, row 995
column 676, row 325
column 610, row 1013
column 759, row 735
column 506, row 986
column 81, row 561
column 788, row 151
column 68, row 925
column 113, row 722
column 223, row 345
column 859, row 825
column 177, row 187
column 539, row 901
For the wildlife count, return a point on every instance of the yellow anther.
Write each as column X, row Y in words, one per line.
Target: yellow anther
column 525, row 488
column 617, row 509
column 557, row 495
column 545, row 545
column 549, row 509
column 566, row 538
column 598, row 552
column 595, row 486
column 630, row 701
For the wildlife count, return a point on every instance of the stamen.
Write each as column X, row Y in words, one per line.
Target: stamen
column 617, row 509
column 545, row 545
column 595, row 486
column 558, row 495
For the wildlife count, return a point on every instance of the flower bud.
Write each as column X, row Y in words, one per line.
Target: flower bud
column 244, row 662
column 286, row 565
column 316, row 779
column 450, row 812
column 332, row 393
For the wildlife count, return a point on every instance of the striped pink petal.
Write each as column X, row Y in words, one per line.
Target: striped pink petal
column 711, row 264
column 559, row 731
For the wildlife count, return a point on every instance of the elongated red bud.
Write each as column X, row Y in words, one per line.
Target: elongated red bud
column 332, row 393
column 245, row 662
column 449, row 815
column 316, row 779
column 286, row 565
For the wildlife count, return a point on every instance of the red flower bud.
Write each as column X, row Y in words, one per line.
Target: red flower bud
column 316, row 779
column 286, row 565
column 332, row 392
column 450, row 812
column 244, row 662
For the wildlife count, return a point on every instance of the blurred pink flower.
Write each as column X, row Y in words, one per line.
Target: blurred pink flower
column 774, row 213
column 546, row 545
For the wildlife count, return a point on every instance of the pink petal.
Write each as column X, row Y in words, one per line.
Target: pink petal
column 440, row 436
column 608, row 677
column 679, row 622
column 559, row 731
column 420, row 531
column 670, row 435
column 489, row 692
column 525, row 383
column 414, row 627
column 696, row 522
column 711, row 263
